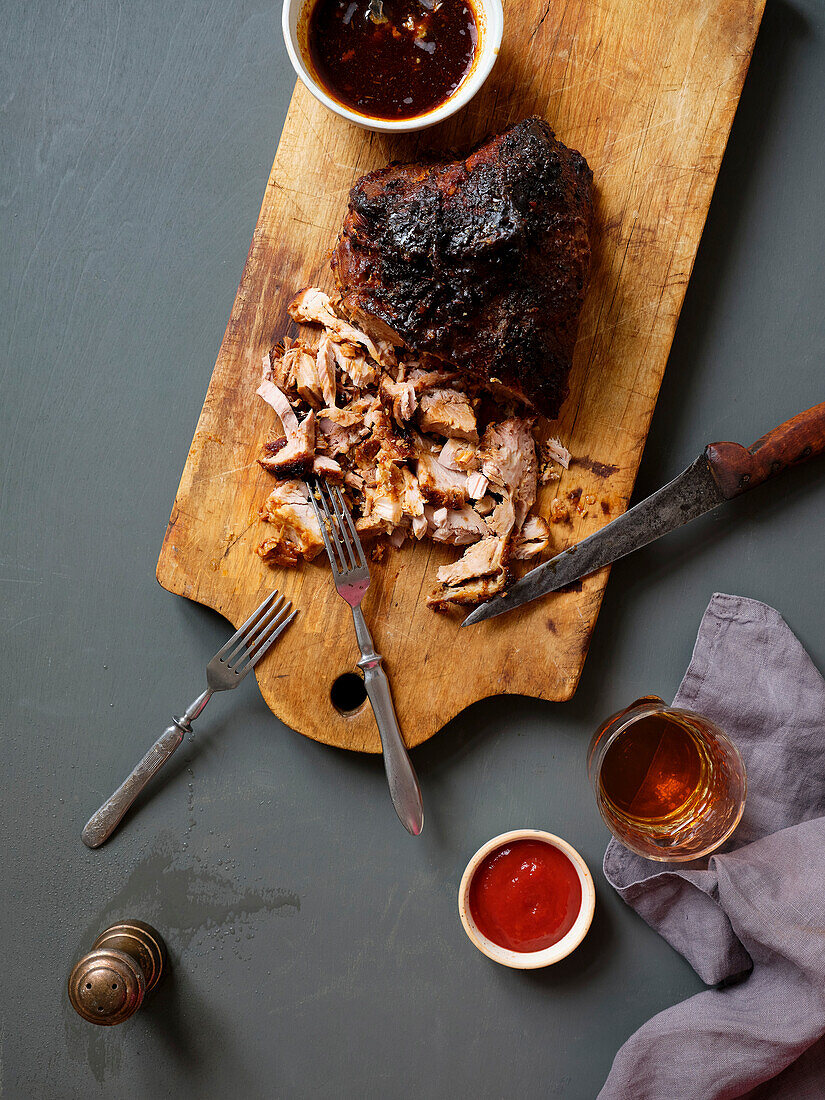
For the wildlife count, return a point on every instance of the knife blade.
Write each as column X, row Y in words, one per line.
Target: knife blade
column 723, row 471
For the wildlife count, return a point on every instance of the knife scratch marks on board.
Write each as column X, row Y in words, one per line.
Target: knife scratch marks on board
column 643, row 131
column 237, row 538
column 236, row 470
column 546, row 12
column 424, row 574
column 321, row 143
column 622, row 321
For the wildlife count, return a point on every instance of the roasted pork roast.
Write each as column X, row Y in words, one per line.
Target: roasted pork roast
column 482, row 261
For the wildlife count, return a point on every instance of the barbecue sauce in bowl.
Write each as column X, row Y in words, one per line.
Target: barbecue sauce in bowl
column 401, row 67
column 525, row 896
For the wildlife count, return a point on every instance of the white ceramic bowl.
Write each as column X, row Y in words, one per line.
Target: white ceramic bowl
column 529, row 960
column 490, row 19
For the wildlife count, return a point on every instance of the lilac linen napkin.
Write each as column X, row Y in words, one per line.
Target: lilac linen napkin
column 757, row 908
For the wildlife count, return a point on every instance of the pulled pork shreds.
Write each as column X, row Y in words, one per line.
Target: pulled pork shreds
column 420, row 450
column 553, row 450
column 448, row 413
column 297, row 534
column 481, row 573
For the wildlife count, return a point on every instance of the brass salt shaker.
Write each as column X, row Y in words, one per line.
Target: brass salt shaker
column 108, row 985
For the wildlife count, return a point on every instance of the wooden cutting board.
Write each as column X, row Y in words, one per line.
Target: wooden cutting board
column 646, row 90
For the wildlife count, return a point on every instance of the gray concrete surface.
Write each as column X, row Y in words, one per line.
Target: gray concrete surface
column 317, row 950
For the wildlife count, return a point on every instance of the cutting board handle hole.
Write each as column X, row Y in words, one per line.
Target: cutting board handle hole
column 348, row 693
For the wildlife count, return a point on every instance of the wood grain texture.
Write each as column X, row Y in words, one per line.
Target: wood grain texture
column 647, row 92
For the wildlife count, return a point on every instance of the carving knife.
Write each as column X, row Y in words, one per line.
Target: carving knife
column 723, row 471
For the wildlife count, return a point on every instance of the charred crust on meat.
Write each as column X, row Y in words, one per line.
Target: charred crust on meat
column 443, row 498
column 299, row 469
column 481, row 261
column 272, row 446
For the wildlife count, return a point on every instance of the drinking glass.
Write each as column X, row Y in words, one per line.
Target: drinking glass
column 669, row 783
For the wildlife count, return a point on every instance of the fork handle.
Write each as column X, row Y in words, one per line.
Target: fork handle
column 403, row 782
column 102, row 824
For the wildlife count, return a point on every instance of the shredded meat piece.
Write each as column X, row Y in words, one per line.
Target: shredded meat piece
column 277, row 368
column 307, row 382
column 297, row 534
column 481, row 560
column 355, row 365
column 462, row 455
column 448, row 413
column 325, row 369
column 424, row 380
column 477, row 485
column 480, row 573
column 274, row 396
column 370, row 525
column 440, row 485
column 553, row 450
column 400, row 397
column 502, row 519
column 533, row 539
column 458, row 526
column 383, row 506
column 341, row 429
column 457, row 454
column 322, row 466
column 294, row 456
column 294, row 354
column 314, row 306
column 412, row 501
column 508, row 460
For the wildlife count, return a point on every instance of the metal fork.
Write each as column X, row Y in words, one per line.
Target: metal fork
column 226, row 670
column 352, row 578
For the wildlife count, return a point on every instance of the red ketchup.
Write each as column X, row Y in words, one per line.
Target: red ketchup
column 525, row 896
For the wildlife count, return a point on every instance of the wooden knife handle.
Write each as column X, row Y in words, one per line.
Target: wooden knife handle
column 737, row 469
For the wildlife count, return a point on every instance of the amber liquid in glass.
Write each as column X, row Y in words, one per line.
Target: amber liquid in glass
column 669, row 783
column 654, row 770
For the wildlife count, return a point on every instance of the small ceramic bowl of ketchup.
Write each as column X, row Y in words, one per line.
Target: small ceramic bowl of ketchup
column 393, row 65
column 526, row 899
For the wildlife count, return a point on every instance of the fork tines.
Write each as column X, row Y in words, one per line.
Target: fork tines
column 337, row 527
column 252, row 640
